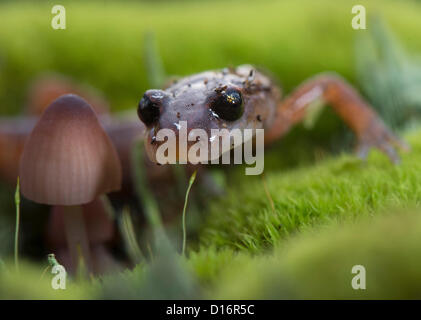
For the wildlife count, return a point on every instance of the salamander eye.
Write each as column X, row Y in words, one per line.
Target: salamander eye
column 228, row 104
column 149, row 107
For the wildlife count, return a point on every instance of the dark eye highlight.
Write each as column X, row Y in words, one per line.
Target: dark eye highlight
column 227, row 104
column 149, row 107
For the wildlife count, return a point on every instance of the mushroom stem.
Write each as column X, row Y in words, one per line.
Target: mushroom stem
column 76, row 236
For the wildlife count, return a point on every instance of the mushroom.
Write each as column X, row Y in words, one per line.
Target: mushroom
column 13, row 134
column 69, row 161
column 100, row 230
column 97, row 218
column 123, row 130
column 47, row 87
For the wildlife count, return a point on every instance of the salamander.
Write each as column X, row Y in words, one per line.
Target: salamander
column 244, row 97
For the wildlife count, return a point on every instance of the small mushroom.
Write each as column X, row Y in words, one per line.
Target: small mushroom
column 102, row 260
column 47, row 87
column 69, row 161
column 100, row 231
column 13, row 134
column 123, row 130
column 98, row 221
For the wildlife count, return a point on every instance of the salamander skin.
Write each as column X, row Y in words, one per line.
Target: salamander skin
column 243, row 98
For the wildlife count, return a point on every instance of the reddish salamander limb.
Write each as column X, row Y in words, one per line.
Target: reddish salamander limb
column 347, row 103
column 244, row 98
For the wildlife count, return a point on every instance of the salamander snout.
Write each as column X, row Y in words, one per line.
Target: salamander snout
column 150, row 106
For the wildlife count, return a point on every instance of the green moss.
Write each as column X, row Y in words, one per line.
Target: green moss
column 332, row 189
column 318, row 264
column 328, row 217
column 315, row 264
column 248, row 250
column 30, row 283
column 206, row 263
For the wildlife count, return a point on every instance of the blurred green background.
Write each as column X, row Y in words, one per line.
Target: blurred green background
column 308, row 238
column 102, row 45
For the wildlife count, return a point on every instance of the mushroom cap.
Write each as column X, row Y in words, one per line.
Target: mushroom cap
column 13, row 134
column 49, row 86
column 68, row 159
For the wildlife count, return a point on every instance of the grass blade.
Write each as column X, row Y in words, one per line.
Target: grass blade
column 129, row 237
column 191, row 181
column 153, row 63
column 17, row 203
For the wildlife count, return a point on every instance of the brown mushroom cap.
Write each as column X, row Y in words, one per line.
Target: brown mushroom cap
column 13, row 134
column 49, row 86
column 68, row 159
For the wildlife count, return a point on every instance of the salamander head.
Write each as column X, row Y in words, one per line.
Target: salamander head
column 239, row 98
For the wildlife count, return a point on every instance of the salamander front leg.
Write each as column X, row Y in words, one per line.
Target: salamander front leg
column 331, row 89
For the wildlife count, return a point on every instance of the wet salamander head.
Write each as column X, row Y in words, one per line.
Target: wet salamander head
column 226, row 99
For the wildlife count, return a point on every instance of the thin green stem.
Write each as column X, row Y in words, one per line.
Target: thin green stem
column 272, row 205
column 17, row 203
column 51, row 263
column 191, row 181
column 44, row 272
column 149, row 203
column 153, row 63
column 129, row 236
column 52, row 260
